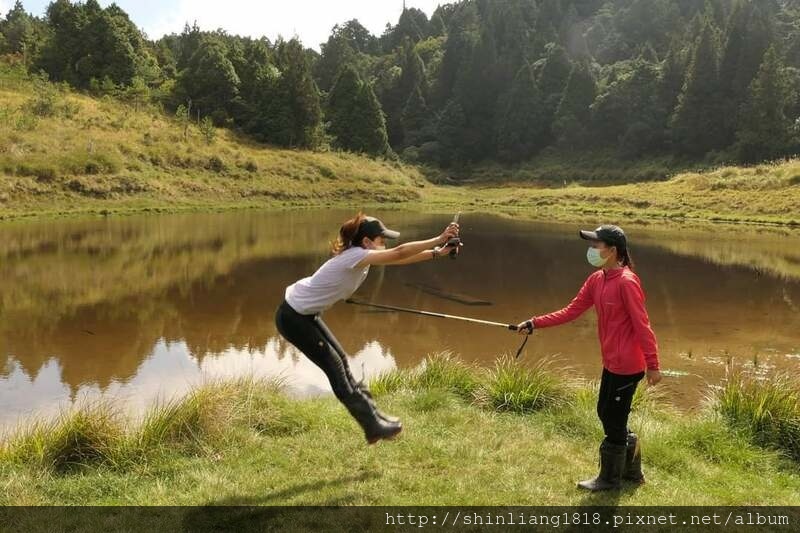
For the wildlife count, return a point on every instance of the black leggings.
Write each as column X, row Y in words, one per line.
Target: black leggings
column 312, row 337
column 614, row 404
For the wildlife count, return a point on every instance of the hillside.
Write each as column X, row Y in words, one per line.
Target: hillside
column 61, row 151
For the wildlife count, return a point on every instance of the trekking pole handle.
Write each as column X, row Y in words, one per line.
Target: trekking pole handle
column 455, row 242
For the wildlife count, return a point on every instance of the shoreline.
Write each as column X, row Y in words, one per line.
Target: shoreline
column 470, row 437
column 637, row 220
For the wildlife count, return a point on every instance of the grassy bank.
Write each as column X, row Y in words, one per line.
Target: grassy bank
column 508, row 435
column 64, row 153
column 764, row 194
column 559, row 168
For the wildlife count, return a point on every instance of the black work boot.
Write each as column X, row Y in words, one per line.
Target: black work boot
column 612, row 463
column 365, row 414
column 368, row 395
column 633, row 460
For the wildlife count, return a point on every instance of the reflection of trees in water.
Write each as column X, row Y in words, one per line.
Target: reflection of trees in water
column 767, row 251
column 690, row 301
column 100, row 296
column 108, row 342
column 53, row 268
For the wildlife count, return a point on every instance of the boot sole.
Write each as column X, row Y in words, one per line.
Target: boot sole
column 388, row 436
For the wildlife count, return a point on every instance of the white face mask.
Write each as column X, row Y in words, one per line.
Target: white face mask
column 594, row 257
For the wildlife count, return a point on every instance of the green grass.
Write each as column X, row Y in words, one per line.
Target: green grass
column 87, row 436
column 246, row 442
column 519, row 389
column 553, row 168
column 766, row 410
column 101, row 156
column 766, row 194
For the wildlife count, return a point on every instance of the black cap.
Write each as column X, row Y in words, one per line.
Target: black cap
column 611, row 235
column 371, row 227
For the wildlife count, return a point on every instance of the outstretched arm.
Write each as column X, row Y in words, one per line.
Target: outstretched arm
column 576, row 308
column 425, row 255
column 410, row 252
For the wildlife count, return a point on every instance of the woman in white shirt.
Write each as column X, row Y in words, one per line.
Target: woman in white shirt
column 361, row 243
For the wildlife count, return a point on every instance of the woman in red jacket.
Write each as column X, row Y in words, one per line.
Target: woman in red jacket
column 628, row 345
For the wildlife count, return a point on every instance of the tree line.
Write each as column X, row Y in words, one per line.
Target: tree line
column 478, row 80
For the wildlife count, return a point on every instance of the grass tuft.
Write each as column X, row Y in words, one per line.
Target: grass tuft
column 519, row 389
column 766, row 410
column 84, row 437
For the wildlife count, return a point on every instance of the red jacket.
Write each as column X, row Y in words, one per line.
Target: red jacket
column 627, row 341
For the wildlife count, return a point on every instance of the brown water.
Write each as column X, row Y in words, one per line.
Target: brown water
column 142, row 308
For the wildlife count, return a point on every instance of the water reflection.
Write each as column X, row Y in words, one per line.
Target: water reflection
column 144, row 307
column 169, row 372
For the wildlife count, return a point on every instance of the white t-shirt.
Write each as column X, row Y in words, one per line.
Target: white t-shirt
column 336, row 280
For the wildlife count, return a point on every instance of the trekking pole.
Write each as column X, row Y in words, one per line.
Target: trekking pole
column 455, row 242
column 511, row 327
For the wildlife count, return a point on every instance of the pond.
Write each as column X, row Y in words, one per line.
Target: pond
column 143, row 308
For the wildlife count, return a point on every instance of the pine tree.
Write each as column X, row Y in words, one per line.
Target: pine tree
column 17, row 30
column 461, row 39
column 697, row 122
column 477, row 90
column 553, row 73
column 672, row 77
column 66, row 22
column 747, row 38
column 412, row 78
column 110, row 46
column 190, row 41
column 88, row 42
column 252, row 62
column 209, row 80
column 302, row 95
column 437, row 25
column 336, row 53
column 355, row 116
column 573, row 114
column 523, row 127
column 416, row 120
column 451, row 134
column 373, row 139
column 765, row 131
column 628, row 112
column 413, row 25
column 272, row 119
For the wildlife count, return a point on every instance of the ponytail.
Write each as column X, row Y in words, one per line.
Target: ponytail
column 347, row 233
column 627, row 259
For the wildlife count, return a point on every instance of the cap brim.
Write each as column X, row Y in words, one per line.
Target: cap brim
column 588, row 235
column 390, row 234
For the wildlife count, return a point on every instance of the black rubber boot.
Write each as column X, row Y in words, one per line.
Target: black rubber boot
column 368, row 395
column 612, row 463
column 633, row 460
column 365, row 414
column 357, row 386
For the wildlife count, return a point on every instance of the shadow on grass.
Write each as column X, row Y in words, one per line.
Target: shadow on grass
column 245, row 513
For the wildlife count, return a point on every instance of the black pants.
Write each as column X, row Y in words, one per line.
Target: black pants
column 614, row 404
column 310, row 335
